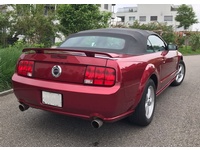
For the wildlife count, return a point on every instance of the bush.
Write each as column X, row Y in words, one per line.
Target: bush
column 8, row 60
column 179, row 40
column 164, row 30
column 169, row 37
column 58, row 43
column 22, row 45
column 194, row 41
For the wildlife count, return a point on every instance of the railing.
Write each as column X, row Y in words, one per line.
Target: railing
column 127, row 9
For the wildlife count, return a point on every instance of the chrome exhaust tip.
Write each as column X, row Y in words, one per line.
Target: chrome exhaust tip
column 97, row 123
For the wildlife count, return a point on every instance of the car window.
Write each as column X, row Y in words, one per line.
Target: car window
column 157, row 43
column 149, row 47
column 103, row 42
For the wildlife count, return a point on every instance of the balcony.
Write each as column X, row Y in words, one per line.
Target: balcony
column 174, row 7
column 127, row 10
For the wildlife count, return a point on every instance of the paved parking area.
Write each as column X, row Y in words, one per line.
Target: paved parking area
column 176, row 122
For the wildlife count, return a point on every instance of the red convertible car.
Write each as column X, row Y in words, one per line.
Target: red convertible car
column 101, row 75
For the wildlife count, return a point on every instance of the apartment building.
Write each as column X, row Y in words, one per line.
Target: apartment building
column 105, row 7
column 146, row 13
column 102, row 7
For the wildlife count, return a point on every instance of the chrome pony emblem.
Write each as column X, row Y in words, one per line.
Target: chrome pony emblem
column 56, row 71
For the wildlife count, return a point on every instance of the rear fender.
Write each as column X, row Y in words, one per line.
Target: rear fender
column 148, row 72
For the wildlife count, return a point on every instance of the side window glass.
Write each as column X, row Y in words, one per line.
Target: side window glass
column 149, row 47
column 157, row 43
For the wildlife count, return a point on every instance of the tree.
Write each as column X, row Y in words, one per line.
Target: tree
column 35, row 22
column 162, row 29
column 77, row 17
column 5, row 25
column 186, row 16
column 194, row 40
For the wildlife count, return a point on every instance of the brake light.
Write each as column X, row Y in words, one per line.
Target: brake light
column 100, row 76
column 25, row 68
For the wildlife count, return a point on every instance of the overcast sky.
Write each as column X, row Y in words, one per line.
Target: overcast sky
column 196, row 8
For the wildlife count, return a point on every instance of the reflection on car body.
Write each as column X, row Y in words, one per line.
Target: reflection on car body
column 102, row 75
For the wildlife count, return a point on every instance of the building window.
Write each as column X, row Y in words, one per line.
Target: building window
column 153, row 18
column 132, row 18
column 106, row 6
column 142, row 18
column 130, row 10
column 122, row 18
column 173, row 9
column 168, row 18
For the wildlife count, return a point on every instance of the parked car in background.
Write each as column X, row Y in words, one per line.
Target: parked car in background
column 102, row 75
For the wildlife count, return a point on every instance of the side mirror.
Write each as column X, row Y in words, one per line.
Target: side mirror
column 172, row 47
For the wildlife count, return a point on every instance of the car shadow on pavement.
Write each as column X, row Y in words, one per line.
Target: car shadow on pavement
column 64, row 128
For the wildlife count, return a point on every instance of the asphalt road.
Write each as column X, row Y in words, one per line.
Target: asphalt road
column 176, row 122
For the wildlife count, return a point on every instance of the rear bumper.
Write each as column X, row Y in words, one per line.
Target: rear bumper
column 87, row 102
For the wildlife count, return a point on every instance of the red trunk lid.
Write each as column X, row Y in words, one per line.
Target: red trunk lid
column 72, row 64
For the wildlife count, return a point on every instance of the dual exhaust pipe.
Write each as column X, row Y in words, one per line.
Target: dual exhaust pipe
column 96, row 123
column 23, row 107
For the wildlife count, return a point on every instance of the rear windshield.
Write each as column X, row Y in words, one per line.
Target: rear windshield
column 94, row 41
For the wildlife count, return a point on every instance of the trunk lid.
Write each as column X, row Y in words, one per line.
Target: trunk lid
column 62, row 64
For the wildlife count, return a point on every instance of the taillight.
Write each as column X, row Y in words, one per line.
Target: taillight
column 25, row 68
column 100, row 76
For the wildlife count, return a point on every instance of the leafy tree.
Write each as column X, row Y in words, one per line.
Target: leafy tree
column 186, row 16
column 36, row 22
column 194, row 40
column 78, row 17
column 162, row 29
column 150, row 26
column 5, row 25
column 3, row 35
column 180, row 40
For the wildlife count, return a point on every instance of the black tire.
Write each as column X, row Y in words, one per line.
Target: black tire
column 140, row 116
column 180, row 74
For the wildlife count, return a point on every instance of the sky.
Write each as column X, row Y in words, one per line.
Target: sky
column 196, row 8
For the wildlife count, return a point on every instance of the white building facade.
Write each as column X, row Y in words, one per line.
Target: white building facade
column 146, row 13
column 105, row 7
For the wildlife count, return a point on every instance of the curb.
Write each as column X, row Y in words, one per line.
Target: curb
column 6, row 92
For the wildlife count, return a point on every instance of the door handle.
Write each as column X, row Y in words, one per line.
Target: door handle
column 163, row 60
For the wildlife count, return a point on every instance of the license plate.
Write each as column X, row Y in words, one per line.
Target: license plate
column 53, row 99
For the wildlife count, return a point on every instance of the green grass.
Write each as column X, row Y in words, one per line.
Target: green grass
column 188, row 51
column 8, row 59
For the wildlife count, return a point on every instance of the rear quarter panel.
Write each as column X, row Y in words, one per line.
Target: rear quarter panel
column 135, row 72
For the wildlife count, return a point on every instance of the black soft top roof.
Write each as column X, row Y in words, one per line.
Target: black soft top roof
column 138, row 37
column 125, row 31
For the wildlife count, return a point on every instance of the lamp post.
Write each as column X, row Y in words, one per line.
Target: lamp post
column 113, row 17
column 113, row 7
